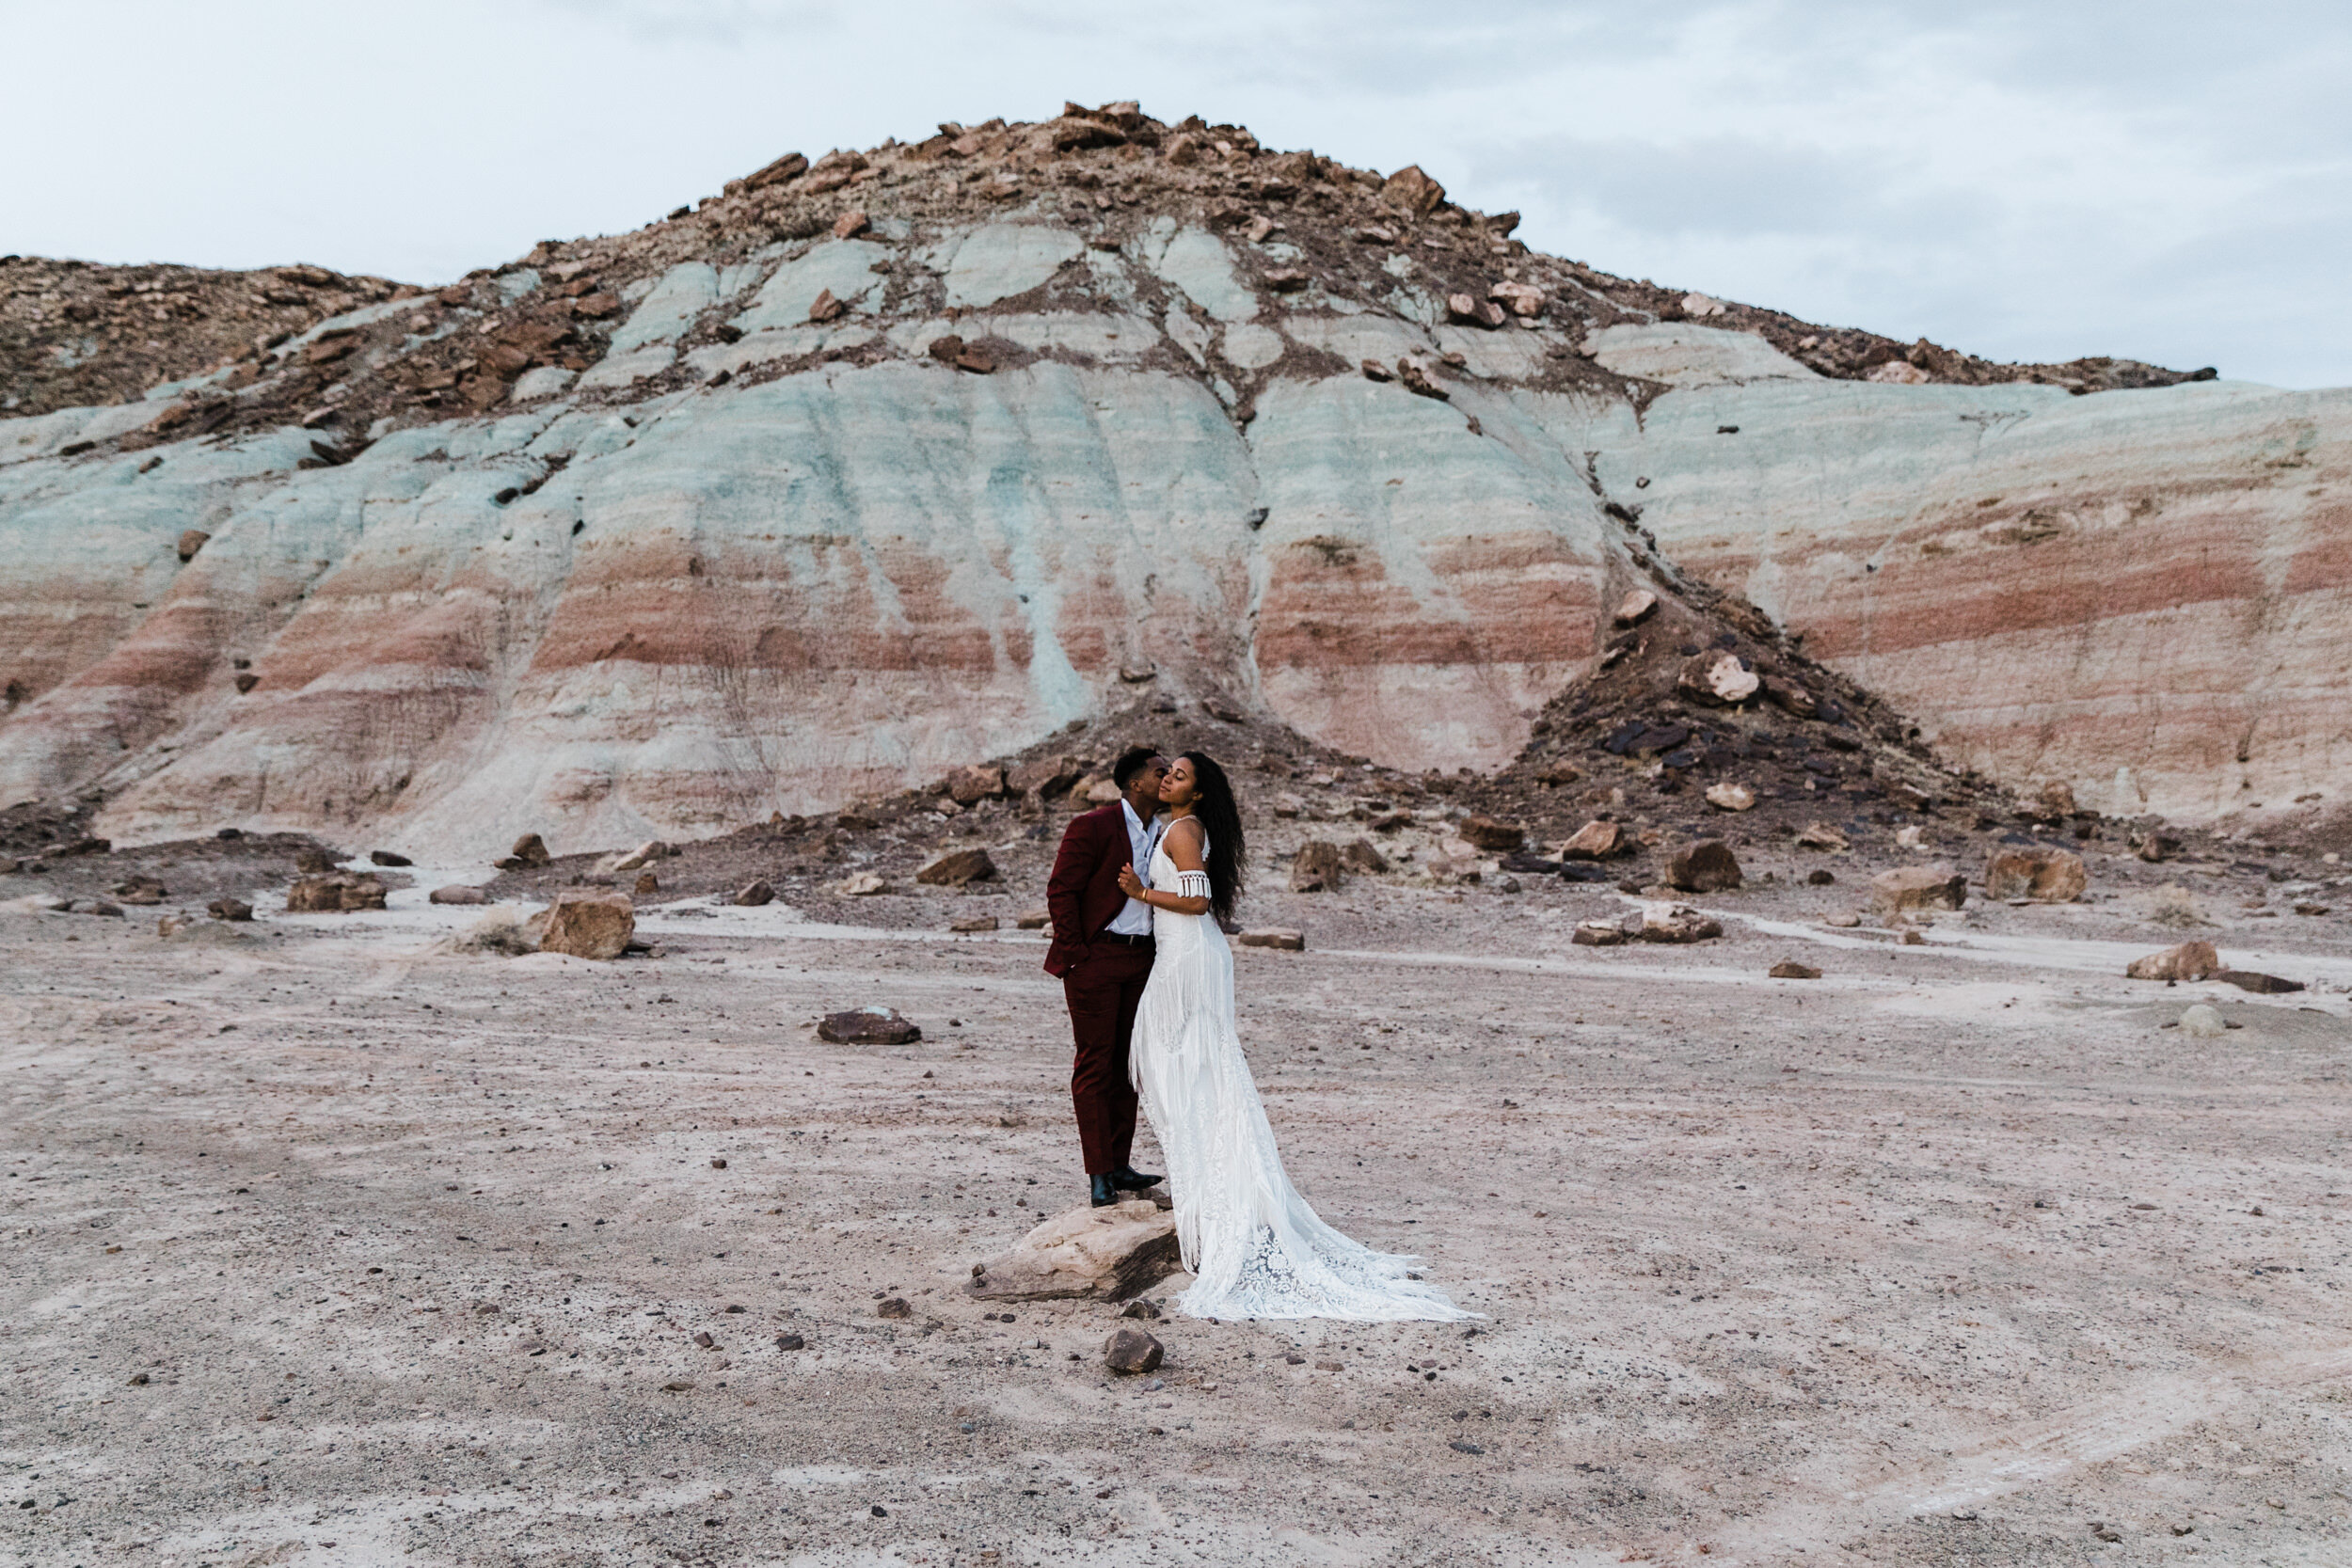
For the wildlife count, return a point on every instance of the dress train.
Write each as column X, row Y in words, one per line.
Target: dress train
column 1255, row 1247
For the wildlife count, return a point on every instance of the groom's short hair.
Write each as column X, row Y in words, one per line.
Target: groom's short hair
column 1134, row 760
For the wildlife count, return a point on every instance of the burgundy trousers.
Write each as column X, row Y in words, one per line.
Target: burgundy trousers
column 1103, row 992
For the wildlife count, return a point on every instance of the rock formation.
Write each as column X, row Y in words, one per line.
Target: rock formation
column 871, row 466
column 1108, row 1254
column 2145, row 595
column 588, row 924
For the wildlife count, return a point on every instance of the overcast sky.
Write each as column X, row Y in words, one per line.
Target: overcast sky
column 2164, row 182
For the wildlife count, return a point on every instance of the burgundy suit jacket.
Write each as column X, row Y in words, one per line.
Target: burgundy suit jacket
column 1081, row 895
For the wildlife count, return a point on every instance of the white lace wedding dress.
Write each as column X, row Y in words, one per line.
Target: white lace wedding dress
column 1255, row 1248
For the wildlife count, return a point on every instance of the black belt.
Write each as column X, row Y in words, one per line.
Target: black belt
column 1123, row 939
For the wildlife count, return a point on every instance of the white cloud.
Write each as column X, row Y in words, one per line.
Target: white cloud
column 2162, row 180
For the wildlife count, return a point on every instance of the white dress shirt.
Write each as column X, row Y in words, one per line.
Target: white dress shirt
column 1134, row 919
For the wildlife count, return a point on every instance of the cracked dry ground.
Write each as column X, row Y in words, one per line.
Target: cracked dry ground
column 321, row 1238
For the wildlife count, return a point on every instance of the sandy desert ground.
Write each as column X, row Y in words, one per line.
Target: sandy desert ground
column 328, row 1246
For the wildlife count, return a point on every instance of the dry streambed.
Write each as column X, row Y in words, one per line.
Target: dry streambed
column 319, row 1234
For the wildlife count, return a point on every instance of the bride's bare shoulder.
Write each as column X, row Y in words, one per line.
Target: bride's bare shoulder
column 1187, row 832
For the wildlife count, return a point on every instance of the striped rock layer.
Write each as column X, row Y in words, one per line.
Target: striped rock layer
column 2145, row 595
column 710, row 558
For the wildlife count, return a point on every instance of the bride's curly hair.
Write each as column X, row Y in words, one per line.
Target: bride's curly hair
column 1220, row 816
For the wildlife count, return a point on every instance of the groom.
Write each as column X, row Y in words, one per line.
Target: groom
column 1102, row 950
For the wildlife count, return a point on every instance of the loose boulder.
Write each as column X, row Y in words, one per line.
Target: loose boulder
column 792, row 165
column 1415, row 378
column 1596, row 841
column 1730, row 797
column 528, row 853
column 589, row 922
column 1363, row 855
column 972, row 923
column 1044, row 778
column 191, row 541
column 1410, row 190
column 337, row 892
column 1274, row 937
column 969, row 787
column 1893, row 894
column 2261, row 985
column 1718, row 679
column 868, row 1026
column 863, row 884
column 1131, row 1351
column 642, row 856
column 1599, row 933
column 1493, row 836
column 389, row 857
column 751, row 895
column 2190, row 960
column 230, row 909
column 958, row 867
column 1707, row 866
column 1678, row 923
column 2045, row 874
column 140, row 890
column 457, row 893
column 1821, row 835
column 1524, row 300
column 1317, row 868
column 1106, row 1254
column 1636, row 608
column 1472, row 311
column 1788, row 969
column 1791, row 696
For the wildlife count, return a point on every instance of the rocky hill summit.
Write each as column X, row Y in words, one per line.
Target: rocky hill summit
column 878, row 464
column 74, row 333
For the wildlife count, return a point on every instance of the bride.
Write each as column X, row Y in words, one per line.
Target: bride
column 1255, row 1248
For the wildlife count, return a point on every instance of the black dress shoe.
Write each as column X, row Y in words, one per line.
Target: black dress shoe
column 1129, row 1180
column 1105, row 1194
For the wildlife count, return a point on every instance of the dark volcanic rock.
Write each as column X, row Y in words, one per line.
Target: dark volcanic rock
column 958, row 867
column 1131, row 1351
column 1492, row 836
column 2261, row 985
column 1708, row 866
column 868, row 1026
